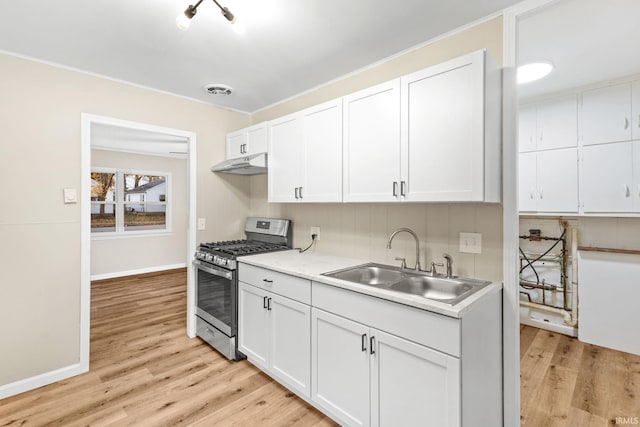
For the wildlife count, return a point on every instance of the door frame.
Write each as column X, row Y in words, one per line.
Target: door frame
column 85, row 221
column 510, row 215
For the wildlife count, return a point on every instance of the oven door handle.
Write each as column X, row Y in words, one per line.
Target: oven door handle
column 200, row 266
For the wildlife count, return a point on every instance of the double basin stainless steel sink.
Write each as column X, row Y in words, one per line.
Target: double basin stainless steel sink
column 437, row 287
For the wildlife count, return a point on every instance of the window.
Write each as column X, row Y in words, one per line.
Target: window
column 123, row 202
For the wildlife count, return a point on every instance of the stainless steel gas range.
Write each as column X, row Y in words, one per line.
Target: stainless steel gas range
column 217, row 280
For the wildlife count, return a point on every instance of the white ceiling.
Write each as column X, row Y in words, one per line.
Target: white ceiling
column 588, row 41
column 288, row 46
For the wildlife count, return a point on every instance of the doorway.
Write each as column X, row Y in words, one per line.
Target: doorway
column 111, row 134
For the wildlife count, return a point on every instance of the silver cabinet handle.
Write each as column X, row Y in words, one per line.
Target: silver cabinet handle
column 269, row 304
column 300, row 191
column 541, row 193
column 364, row 342
column 296, row 193
column 402, row 185
column 627, row 191
column 268, row 281
column 626, row 123
column 372, row 345
column 395, row 189
column 264, row 302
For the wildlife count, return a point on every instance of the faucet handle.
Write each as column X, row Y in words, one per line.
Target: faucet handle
column 403, row 264
column 433, row 270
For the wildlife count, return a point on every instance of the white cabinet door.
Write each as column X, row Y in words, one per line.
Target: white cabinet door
column 557, row 172
column 606, row 114
column 322, row 157
column 371, row 140
column 636, row 176
column 557, row 124
column 285, row 153
column 443, row 141
column 412, row 385
column 635, row 110
column 253, row 328
column 527, row 183
column 340, row 368
column 606, row 178
column 290, row 343
column 527, row 139
column 256, row 139
column 236, row 143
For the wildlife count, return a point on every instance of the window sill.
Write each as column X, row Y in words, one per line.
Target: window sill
column 130, row 234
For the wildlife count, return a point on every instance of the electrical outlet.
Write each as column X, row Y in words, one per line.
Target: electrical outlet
column 471, row 243
column 202, row 223
column 316, row 231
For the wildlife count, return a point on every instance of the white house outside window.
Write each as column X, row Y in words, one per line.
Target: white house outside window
column 129, row 202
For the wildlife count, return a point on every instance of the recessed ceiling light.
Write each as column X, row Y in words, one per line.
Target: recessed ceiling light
column 534, row 71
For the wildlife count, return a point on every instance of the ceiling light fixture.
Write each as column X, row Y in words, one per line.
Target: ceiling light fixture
column 534, row 71
column 184, row 19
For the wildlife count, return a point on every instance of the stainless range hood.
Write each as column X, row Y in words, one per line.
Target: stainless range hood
column 254, row 164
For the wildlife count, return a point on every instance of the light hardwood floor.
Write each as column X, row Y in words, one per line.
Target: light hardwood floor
column 567, row 383
column 144, row 371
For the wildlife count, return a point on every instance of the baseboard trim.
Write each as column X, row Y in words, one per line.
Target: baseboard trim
column 50, row 377
column 135, row 272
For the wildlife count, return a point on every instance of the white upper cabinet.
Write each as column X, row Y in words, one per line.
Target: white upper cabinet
column 527, row 138
column 548, row 181
column 305, row 155
column 606, row 178
column 527, row 182
column 557, row 123
column 285, row 153
column 557, row 178
column 635, row 110
column 322, row 153
column 251, row 140
column 450, row 136
column 606, row 114
column 371, row 140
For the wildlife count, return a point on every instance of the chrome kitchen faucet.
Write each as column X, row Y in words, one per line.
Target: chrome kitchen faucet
column 415, row 236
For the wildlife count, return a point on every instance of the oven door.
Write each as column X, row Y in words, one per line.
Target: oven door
column 216, row 297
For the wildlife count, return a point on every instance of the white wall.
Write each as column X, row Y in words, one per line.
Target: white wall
column 113, row 256
column 362, row 230
column 40, row 117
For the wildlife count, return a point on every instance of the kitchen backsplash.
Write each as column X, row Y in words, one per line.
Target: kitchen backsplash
column 362, row 230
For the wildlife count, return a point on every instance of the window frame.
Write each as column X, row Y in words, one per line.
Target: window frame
column 120, row 205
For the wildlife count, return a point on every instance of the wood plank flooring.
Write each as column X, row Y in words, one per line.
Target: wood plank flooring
column 567, row 383
column 144, row 371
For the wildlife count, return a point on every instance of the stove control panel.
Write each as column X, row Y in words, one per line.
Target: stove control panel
column 215, row 259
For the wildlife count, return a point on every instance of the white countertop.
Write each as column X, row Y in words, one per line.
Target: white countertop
column 312, row 265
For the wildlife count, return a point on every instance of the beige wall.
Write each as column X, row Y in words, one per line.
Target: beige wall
column 362, row 230
column 40, row 110
column 125, row 254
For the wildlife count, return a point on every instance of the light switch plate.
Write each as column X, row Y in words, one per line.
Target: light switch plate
column 471, row 243
column 70, row 195
column 202, row 223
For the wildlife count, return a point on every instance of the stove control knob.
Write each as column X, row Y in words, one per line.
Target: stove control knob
column 209, row 257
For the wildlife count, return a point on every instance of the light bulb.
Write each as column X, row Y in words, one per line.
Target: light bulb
column 534, row 71
column 183, row 22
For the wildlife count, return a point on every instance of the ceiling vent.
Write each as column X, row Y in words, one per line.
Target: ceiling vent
column 218, row 89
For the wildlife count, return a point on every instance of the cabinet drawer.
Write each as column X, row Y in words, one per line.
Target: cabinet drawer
column 423, row 327
column 282, row 284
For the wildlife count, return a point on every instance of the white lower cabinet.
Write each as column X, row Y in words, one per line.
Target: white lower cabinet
column 366, row 361
column 340, row 367
column 274, row 334
column 380, row 379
